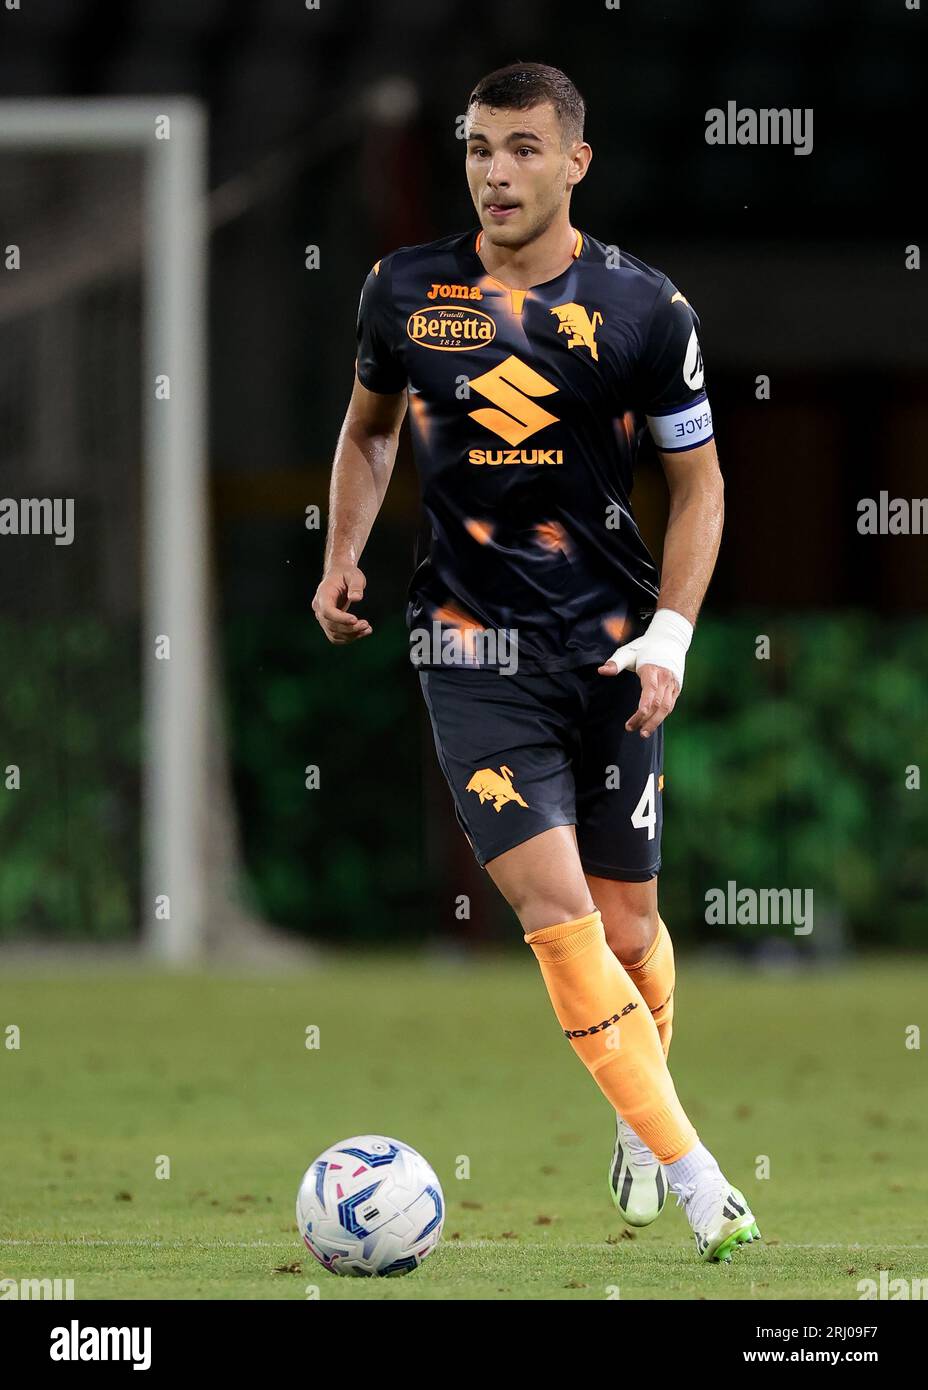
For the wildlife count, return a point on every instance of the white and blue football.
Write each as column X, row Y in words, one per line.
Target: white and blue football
column 370, row 1205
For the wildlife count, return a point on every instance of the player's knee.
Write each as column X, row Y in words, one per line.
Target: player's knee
column 535, row 912
column 630, row 933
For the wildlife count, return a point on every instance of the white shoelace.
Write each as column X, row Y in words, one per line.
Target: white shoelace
column 707, row 1193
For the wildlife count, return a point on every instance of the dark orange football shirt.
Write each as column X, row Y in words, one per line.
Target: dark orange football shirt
column 526, row 409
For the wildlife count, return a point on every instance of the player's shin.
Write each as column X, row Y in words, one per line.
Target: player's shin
column 654, row 976
column 611, row 1029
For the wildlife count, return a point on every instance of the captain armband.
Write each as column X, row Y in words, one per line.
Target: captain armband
column 683, row 427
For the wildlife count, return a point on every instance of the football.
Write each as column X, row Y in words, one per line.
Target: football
column 370, row 1206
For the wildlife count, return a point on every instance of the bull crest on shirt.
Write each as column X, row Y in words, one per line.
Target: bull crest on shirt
column 575, row 320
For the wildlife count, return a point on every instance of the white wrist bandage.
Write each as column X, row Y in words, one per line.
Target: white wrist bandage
column 664, row 642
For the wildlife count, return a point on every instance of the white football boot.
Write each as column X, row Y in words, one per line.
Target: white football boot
column 636, row 1180
column 719, row 1215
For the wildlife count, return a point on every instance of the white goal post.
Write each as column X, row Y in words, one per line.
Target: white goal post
column 170, row 133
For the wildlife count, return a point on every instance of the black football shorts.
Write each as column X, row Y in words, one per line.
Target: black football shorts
column 524, row 753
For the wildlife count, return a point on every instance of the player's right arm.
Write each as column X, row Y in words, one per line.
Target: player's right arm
column 364, row 459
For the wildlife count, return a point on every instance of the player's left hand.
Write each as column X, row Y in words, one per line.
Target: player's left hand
column 658, row 656
column 659, row 691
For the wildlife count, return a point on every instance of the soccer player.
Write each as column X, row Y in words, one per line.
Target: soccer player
column 550, row 651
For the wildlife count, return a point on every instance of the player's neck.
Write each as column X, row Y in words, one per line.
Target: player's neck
column 543, row 259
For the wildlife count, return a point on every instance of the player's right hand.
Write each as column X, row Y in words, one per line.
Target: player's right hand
column 340, row 586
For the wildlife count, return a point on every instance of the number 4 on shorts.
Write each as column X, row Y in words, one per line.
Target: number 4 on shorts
column 644, row 816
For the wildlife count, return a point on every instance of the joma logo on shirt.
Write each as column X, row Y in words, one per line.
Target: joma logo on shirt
column 455, row 292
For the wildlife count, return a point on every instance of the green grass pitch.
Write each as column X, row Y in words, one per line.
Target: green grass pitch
column 466, row 1063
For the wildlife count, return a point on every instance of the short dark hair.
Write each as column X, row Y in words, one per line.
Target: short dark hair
column 521, row 85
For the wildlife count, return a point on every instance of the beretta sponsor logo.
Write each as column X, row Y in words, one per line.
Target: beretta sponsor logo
column 450, row 330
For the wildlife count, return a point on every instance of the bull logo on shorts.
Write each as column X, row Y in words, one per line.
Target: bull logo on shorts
column 581, row 326
column 495, row 786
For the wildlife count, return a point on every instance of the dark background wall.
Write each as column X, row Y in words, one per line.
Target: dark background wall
column 336, row 127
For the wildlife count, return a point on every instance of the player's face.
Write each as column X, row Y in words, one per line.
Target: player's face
column 517, row 171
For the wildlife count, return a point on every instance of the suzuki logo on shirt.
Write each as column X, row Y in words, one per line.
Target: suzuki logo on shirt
column 511, row 387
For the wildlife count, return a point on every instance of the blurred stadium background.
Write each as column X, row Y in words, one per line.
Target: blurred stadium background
column 336, row 128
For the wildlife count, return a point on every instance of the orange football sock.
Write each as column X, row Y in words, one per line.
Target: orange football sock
column 655, row 977
column 612, row 1032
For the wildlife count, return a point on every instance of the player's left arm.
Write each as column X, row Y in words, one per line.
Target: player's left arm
column 694, row 527
column 691, row 546
column 674, row 399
